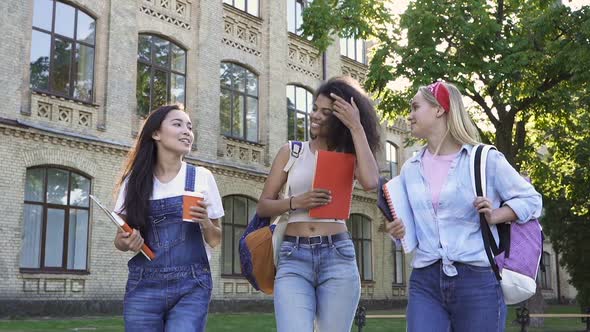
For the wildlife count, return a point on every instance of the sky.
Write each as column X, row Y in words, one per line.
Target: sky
column 576, row 4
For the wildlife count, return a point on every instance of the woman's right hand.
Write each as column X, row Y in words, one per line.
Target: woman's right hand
column 312, row 199
column 396, row 228
column 125, row 241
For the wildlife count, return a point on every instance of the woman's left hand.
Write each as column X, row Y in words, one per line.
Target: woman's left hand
column 484, row 205
column 347, row 112
column 200, row 215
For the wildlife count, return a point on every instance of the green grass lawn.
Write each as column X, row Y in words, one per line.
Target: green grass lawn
column 256, row 322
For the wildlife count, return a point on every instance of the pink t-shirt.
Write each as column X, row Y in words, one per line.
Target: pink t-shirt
column 436, row 171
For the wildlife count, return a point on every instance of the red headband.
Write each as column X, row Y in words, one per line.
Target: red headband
column 440, row 92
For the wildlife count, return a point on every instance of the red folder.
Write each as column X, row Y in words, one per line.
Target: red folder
column 334, row 171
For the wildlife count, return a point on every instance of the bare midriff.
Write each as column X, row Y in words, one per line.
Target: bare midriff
column 308, row 229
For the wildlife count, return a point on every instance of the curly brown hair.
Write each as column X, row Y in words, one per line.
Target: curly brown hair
column 339, row 137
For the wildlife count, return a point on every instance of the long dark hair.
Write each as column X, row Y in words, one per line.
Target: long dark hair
column 339, row 137
column 139, row 169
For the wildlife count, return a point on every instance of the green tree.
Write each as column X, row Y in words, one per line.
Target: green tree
column 562, row 176
column 513, row 59
column 520, row 62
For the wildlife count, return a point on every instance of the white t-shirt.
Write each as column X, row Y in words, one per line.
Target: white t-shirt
column 204, row 183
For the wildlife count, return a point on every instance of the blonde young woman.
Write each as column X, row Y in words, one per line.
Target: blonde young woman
column 452, row 286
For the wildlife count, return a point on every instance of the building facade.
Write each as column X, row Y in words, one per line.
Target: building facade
column 78, row 77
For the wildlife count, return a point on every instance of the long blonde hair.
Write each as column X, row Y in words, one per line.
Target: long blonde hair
column 459, row 124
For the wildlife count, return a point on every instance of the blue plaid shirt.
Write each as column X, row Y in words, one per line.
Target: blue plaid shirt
column 453, row 233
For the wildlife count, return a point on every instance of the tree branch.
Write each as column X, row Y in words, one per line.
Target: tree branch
column 476, row 97
column 484, row 137
column 500, row 12
column 547, row 85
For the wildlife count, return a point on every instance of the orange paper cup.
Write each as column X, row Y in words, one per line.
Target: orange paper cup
column 189, row 199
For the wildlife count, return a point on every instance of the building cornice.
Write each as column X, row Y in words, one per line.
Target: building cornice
column 38, row 133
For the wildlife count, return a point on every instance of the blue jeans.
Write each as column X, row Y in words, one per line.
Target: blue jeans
column 318, row 282
column 469, row 301
column 167, row 299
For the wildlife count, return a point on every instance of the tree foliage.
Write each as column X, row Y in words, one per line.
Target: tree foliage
column 562, row 175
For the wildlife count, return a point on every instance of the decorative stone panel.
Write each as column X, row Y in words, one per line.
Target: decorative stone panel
column 77, row 285
column 239, row 287
column 303, row 57
column 63, row 112
column 31, row 285
column 228, row 288
column 44, row 110
column 398, row 291
column 354, row 69
column 84, row 119
column 367, row 290
column 242, row 288
column 64, row 115
column 241, row 31
column 240, row 151
column 175, row 12
column 54, row 286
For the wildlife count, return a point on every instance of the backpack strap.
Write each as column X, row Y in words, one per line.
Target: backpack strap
column 477, row 161
column 296, row 148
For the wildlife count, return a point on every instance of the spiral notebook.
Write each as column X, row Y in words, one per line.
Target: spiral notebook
column 145, row 250
column 399, row 205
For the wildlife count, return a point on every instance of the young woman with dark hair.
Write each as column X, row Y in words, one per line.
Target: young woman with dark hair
column 171, row 292
column 317, row 280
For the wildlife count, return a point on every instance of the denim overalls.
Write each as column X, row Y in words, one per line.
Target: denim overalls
column 172, row 292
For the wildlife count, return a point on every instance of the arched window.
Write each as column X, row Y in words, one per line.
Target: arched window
column 354, row 49
column 545, row 271
column 249, row 6
column 391, row 158
column 238, row 212
column 239, row 102
column 55, row 228
column 360, row 228
column 62, row 50
column 299, row 106
column 161, row 73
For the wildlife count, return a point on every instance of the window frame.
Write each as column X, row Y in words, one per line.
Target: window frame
column 226, row 226
column 545, row 276
column 233, row 93
column 359, row 241
column 304, row 5
column 389, row 146
column 74, row 42
column 296, row 111
column 245, row 10
column 347, row 54
column 153, row 66
column 66, row 208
